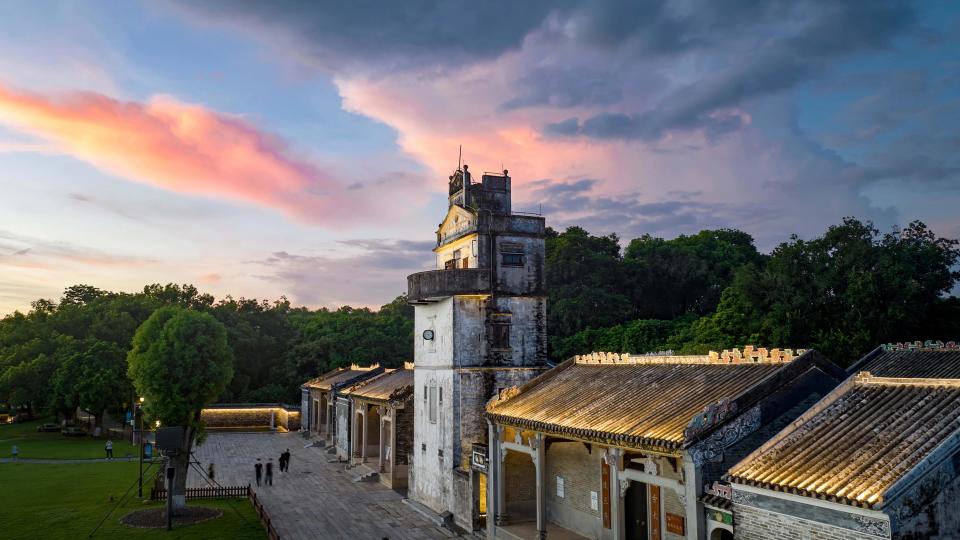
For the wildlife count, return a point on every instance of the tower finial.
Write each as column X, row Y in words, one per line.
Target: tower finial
column 460, row 157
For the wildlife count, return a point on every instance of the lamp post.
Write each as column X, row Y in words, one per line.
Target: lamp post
column 140, row 481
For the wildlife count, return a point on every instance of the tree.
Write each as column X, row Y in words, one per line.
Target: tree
column 587, row 284
column 842, row 293
column 180, row 361
column 685, row 275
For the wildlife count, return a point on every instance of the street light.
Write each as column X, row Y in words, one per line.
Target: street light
column 140, row 480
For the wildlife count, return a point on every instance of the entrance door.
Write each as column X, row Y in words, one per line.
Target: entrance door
column 635, row 510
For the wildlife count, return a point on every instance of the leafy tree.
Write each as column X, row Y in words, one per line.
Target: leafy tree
column 687, row 274
column 180, row 362
column 587, row 285
column 841, row 293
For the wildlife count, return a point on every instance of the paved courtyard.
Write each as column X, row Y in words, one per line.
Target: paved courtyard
column 316, row 499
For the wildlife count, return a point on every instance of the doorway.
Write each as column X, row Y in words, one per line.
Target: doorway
column 635, row 510
column 721, row 534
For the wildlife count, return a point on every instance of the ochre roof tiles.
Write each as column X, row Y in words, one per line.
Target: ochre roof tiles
column 383, row 387
column 639, row 401
column 340, row 375
column 857, row 442
column 933, row 364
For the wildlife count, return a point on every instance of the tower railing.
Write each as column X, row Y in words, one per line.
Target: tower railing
column 433, row 285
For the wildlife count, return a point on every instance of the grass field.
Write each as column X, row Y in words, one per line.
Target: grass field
column 54, row 445
column 67, row 501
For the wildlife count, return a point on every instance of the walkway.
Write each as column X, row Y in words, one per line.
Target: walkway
column 316, row 499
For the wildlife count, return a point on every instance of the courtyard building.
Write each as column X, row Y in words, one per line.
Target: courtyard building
column 617, row 446
column 926, row 359
column 318, row 402
column 382, row 432
column 480, row 326
column 878, row 458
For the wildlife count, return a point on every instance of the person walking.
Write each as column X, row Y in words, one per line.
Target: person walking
column 270, row 472
column 109, row 448
column 286, row 460
column 210, row 471
column 258, row 469
column 15, row 452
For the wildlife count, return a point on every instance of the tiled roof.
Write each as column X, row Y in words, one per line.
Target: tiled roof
column 933, row 364
column 338, row 376
column 645, row 401
column 857, row 442
column 391, row 385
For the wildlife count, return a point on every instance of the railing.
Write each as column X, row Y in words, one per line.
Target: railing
column 264, row 517
column 435, row 284
column 209, row 492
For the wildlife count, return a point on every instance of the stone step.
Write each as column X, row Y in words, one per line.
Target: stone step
column 371, row 476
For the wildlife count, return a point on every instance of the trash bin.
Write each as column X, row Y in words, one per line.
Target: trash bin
column 148, row 450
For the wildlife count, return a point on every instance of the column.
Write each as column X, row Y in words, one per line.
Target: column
column 363, row 436
column 692, row 480
column 493, row 465
column 500, row 481
column 383, row 443
column 614, row 456
column 539, row 461
column 352, row 441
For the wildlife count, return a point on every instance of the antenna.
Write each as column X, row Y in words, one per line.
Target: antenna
column 460, row 157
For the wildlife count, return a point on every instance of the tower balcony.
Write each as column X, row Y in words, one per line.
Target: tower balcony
column 434, row 285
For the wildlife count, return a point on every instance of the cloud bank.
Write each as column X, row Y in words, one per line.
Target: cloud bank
column 184, row 148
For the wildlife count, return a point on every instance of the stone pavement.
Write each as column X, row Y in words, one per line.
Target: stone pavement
column 316, row 499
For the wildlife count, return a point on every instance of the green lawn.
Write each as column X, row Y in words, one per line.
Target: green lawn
column 54, row 445
column 67, row 501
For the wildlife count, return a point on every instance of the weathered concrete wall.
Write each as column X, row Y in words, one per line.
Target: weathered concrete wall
column 343, row 428
column 759, row 517
column 930, row 509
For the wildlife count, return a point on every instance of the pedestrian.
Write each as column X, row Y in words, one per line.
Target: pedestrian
column 281, row 462
column 210, row 471
column 286, row 460
column 258, row 468
column 270, row 472
column 15, row 452
column 109, row 448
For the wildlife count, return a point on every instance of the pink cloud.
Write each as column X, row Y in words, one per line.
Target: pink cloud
column 184, row 148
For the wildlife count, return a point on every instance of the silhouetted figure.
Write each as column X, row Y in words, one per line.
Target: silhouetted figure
column 258, row 469
column 210, row 472
column 285, row 461
column 270, row 473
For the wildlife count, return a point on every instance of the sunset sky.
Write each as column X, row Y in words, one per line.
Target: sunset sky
column 303, row 150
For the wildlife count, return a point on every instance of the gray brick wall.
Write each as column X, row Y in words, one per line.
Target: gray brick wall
column 756, row 524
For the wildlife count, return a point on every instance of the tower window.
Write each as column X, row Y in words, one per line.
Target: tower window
column 500, row 336
column 511, row 254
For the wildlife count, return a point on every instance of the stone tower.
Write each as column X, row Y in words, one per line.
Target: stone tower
column 480, row 327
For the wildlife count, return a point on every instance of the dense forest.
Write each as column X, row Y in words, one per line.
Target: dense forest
column 842, row 293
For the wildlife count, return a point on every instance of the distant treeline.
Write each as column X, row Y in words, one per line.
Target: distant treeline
column 841, row 293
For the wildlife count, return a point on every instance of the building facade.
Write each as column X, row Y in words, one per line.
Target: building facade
column 382, row 416
column 480, row 326
column 614, row 446
column 318, row 412
column 877, row 459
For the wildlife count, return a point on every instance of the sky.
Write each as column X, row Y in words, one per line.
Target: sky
column 301, row 148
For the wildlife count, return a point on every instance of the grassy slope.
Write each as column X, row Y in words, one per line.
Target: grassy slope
column 55, row 445
column 67, row 501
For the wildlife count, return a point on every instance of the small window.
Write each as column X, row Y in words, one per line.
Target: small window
column 432, row 408
column 500, row 336
column 450, row 264
column 512, row 259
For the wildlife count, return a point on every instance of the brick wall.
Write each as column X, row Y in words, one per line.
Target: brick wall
column 404, row 431
column 580, row 471
column 756, row 524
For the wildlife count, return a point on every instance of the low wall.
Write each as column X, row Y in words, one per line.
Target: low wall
column 253, row 416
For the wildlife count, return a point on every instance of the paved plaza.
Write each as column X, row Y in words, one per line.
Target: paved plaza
column 316, row 499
